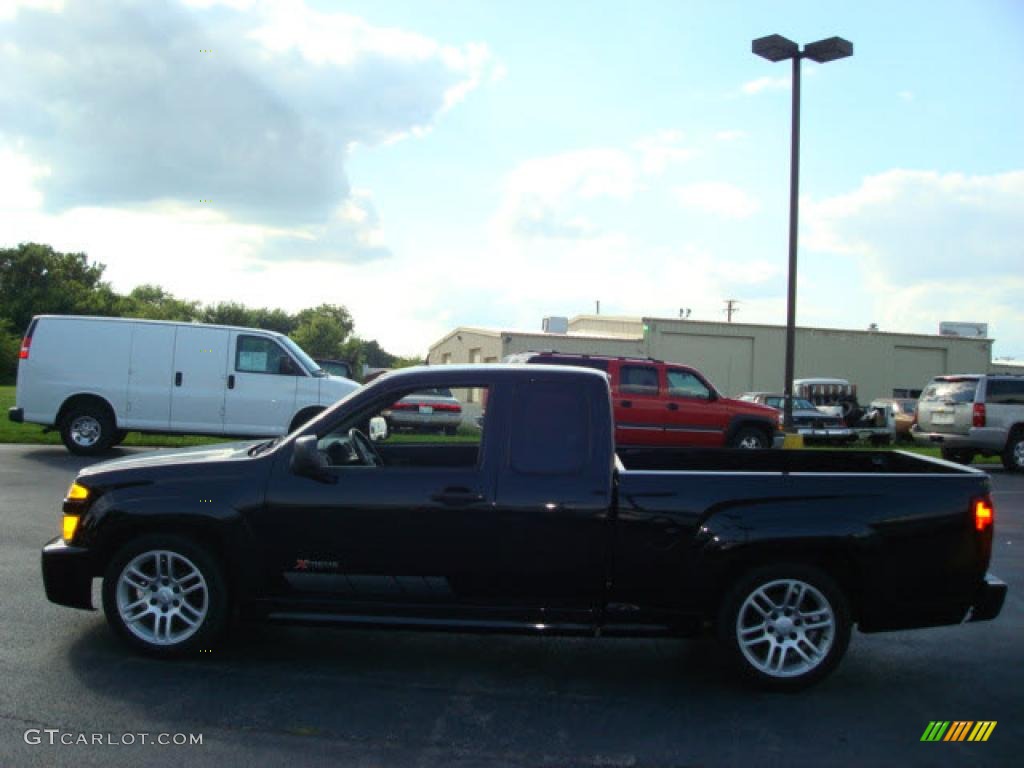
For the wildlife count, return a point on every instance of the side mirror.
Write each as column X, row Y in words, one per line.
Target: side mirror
column 378, row 429
column 306, row 460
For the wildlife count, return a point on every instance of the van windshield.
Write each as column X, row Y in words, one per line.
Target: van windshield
column 304, row 360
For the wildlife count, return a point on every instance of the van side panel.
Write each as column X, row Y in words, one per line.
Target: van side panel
column 71, row 356
column 200, row 364
column 150, row 377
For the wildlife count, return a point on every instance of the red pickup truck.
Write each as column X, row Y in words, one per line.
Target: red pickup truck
column 667, row 404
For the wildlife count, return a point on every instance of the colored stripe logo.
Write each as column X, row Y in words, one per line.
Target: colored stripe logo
column 959, row 730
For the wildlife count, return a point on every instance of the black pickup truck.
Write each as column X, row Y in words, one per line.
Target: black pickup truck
column 528, row 523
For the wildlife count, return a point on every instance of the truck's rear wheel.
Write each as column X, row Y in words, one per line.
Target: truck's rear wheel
column 1013, row 454
column 87, row 429
column 165, row 595
column 785, row 626
column 959, row 455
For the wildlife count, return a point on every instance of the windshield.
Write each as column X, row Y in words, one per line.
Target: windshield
column 956, row 390
column 304, row 360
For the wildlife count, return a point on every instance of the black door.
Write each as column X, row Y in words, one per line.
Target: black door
column 492, row 534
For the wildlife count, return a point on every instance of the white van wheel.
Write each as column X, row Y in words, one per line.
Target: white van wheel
column 87, row 430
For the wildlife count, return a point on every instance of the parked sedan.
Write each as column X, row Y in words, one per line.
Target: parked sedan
column 426, row 410
column 815, row 425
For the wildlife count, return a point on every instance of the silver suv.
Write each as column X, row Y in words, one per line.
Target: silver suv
column 973, row 414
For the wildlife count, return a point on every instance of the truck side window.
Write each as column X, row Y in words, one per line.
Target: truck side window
column 550, row 430
column 1005, row 392
column 258, row 354
column 685, row 384
column 638, row 380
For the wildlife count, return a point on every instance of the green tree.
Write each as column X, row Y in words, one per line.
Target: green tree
column 36, row 280
column 407, row 362
column 10, row 345
column 154, row 303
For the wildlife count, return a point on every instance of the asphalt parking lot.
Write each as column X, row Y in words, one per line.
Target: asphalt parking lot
column 296, row 696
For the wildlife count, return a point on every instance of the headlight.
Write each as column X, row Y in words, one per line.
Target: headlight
column 77, row 493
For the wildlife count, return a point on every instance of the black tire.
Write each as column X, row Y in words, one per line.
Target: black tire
column 87, row 429
column 450, row 431
column 1013, row 454
column 119, row 437
column 164, row 603
column 303, row 416
column 809, row 654
column 750, row 438
column 959, row 455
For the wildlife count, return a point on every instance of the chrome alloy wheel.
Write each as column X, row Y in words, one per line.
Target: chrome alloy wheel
column 750, row 442
column 785, row 628
column 162, row 597
column 85, row 431
column 1018, row 454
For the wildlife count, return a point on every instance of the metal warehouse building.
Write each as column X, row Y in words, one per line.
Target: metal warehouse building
column 739, row 357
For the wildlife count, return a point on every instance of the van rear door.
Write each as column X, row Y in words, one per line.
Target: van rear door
column 150, row 377
column 199, row 380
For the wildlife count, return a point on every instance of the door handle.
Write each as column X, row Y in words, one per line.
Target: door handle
column 626, row 403
column 177, row 379
column 673, row 406
column 456, row 497
column 231, row 381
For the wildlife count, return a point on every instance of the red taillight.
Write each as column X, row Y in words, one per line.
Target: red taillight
column 448, row 407
column 25, row 344
column 404, row 407
column 984, row 513
column 979, row 414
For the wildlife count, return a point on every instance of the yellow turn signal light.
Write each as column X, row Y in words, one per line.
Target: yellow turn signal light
column 70, row 526
column 77, row 492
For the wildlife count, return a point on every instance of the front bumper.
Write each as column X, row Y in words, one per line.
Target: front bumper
column 67, row 574
column 988, row 602
column 16, row 415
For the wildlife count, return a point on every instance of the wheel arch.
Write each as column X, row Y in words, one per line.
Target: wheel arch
column 84, row 399
column 760, row 423
column 833, row 559
column 303, row 415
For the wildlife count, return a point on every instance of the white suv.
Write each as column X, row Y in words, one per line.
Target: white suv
column 973, row 414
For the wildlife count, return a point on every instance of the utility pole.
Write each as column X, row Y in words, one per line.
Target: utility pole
column 731, row 308
column 597, row 307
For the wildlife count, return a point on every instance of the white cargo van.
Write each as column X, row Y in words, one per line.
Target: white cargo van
column 96, row 378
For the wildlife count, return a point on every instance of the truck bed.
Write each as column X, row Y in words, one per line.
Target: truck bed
column 813, row 461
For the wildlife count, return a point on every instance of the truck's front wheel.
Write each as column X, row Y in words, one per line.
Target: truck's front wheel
column 165, row 595
column 785, row 626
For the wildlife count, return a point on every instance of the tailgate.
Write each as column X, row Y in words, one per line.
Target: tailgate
column 947, row 406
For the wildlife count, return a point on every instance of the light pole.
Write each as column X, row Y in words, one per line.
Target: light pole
column 779, row 48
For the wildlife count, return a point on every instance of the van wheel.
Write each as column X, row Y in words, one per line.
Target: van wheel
column 751, row 438
column 165, row 595
column 119, row 437
column 1013, row 454
column 785, row 627
column 87, row 430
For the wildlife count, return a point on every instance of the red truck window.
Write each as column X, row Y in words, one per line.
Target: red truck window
column 638, row 380
column 685, row 384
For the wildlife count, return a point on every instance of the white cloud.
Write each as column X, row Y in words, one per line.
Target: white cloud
column 932, row 247
column 730, row 135
column 906, row 95
column 766, row 84
column 541, row 196
column 718, row 198
column 660, row 151
column 133, row 104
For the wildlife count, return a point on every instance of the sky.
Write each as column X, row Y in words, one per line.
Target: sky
column 436, row 163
